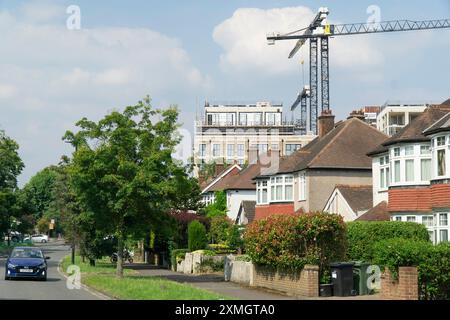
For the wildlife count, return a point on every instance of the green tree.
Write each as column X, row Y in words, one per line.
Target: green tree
column 123, row 171
column 10, row 167
column 196, row 236
column 218, row 207
column 39, row 192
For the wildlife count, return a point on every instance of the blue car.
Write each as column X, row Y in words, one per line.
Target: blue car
column 26, row 262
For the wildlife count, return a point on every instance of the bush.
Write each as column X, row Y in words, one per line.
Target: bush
column 218, row 232
column 432, row 262
column 363, row 235
column 221, row 248
column 291, row 241
column 177, row 254
column 196, row 236
column 219, row 207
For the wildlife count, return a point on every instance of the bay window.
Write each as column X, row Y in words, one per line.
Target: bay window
column 409, row 170
column 397, row 171
column 425, row 169
column 441, row 170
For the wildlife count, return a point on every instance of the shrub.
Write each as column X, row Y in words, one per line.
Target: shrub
column 196, row 236
column 363, row 235
column 221, row 248
column 432, row 262
column 234, row 238
column 177, row 254
column 210, row 265
column 291, row 241
column 220, row 226
column 218, row 207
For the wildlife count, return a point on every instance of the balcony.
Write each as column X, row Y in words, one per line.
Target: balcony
column 282, row 127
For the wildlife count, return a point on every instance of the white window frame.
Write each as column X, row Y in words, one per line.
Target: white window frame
column 302, row 186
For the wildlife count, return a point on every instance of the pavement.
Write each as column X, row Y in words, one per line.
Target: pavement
column 217, row 284
column 55, row 286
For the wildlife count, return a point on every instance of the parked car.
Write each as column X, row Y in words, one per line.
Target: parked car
column 26, row 262
column 40, row 238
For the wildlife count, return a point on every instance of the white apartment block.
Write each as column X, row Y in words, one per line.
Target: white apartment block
column 396, row 115
column 237, row 133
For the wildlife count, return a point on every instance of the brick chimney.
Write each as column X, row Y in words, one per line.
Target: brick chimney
column 326, row 122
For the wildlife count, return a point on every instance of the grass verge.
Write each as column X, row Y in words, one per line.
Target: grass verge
column 134, row 287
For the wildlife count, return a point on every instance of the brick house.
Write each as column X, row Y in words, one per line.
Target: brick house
column 411, row 172
column 305, row 180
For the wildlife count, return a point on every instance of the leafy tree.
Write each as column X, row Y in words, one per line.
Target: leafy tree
column 123, row 172
column 10, row 167
column 218, row 207
column 220, row 226
column 39, row 192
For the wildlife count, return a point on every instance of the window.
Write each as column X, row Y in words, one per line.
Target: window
column 216, row 150
column 441, row 162
column 382, row 161
column 398, row 218
column 443, row 219
column 230, row 150
column 202, row 150
column 382, row 179
column 425, row 169
column 425, row 150
column 291, row 148
column 288, row 188
column 396, row 152
column 243, row 119
column 409, row 150
column 397, row 171
column 409, row 170
column 240, row 150
column 302, row 187
column 440, row 141
column 428, row 221
column 241, row 162
column 411, row 219
column 388, row 178
column 443, row 235
column 262, row 192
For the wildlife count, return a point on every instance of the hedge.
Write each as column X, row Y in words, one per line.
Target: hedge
column 291, row 241
column 196, row 236
column 432, row 262
column 177, row 253
column 363, row 235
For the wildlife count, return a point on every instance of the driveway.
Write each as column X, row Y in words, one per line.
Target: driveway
column 55, row 287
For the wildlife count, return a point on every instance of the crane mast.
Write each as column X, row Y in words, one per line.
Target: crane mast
column 318, row 34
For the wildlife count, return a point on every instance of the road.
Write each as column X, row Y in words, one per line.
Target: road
column 53, row 289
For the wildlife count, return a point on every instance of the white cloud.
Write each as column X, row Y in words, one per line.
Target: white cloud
column 51, row 76
column 243, row 38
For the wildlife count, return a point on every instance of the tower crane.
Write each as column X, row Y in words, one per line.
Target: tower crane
column 318, row 34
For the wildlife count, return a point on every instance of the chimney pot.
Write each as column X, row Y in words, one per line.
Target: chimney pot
column 326, row 122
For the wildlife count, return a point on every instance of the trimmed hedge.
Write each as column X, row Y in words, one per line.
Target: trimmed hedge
column 291, row 241
column 196, row 236
column 432, row 262
column 363, row 235
column 177, row 253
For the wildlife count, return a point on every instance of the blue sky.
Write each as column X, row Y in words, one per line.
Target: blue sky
column 183, row 52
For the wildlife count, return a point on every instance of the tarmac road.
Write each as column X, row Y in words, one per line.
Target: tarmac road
column 53, row 289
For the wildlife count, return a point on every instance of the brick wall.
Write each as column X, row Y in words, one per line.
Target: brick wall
column 304, row 283
column 405, row 288
column 262, row 212
column 410, row 199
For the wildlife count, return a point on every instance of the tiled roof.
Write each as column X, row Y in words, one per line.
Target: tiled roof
column 441, row 125
column 359, row 198
column 218, row 182
column 344, row 147
column 378, row 213
column 244, row 180
column 414, row 132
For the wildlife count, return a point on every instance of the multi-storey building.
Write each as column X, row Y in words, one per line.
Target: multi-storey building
column 411, row 172
column 394, row 116
column 237, row 133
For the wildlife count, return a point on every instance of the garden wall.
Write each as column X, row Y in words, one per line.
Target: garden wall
column 192, row 261
column 304, row 283
column 238, row 271
column 406, row 287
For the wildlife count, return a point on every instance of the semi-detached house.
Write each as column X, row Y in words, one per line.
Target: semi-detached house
column 411, row 172
column 304, row 181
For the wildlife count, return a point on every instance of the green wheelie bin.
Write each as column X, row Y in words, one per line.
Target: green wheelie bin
column 360, row 277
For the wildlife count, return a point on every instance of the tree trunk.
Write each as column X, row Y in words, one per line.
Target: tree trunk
column 119, row 270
